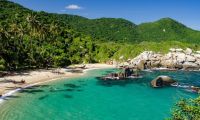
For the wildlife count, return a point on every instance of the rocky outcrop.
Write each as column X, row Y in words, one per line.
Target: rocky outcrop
column 161, row 81
column 175, row 59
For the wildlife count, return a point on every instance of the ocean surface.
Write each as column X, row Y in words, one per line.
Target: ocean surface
column 88, row 98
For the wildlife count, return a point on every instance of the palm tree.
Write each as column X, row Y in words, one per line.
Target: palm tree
column 33, row 25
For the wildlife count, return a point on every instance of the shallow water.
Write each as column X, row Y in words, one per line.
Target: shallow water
column 87, row 98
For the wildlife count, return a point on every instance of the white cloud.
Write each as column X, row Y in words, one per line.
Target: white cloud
column 73, row 7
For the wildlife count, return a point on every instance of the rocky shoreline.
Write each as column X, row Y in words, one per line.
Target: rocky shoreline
column 175, row 59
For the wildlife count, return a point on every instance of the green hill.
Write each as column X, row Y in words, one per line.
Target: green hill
column 38, row 39
column 167, row 29
column 117, row 29
column 121, row 30
column 108, row 29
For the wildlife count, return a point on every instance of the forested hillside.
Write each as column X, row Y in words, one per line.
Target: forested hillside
column 121, row 30
column 36, row 39
column 30, row 39
column 167, row 29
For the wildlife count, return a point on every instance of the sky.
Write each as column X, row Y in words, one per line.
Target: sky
column 137, row 11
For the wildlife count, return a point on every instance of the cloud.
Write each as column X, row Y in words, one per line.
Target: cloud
column 73, row 7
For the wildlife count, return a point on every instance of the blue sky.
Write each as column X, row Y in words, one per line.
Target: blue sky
column 137, row 11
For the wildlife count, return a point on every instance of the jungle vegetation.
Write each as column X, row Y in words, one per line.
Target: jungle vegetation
column 37, row 39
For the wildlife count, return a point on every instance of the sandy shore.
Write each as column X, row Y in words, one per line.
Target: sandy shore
column 40, row 76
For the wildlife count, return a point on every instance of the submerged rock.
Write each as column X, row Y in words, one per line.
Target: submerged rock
column 43, row 97
column 68, row 96
column 161, row 81
column 71, row 85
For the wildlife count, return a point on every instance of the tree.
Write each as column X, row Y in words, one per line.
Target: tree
column 187, row 110
column 2, row 64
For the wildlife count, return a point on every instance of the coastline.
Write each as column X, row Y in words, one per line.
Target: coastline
column 42, row 76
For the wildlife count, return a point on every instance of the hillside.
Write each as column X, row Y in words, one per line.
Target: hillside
column 121, row 30
column 118, row 29
column 37, row 39
column 108, row 29
column 32, row 39
column 167, row 29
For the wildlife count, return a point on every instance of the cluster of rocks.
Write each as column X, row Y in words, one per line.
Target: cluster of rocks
column 175, row 59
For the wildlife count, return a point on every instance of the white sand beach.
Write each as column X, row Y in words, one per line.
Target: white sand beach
column 10, row 83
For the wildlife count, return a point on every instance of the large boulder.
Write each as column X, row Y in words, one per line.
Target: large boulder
column 172, row 49
column 146, row 55
column 197, row 56
column 155, row 64
column 161, row 81
column 179, row 50
column 198, row 62
column 188, row 51
column 168, row 63
column 198, row 52
column 168, row 56
column 190, row 58
column 180, row 57
column 141, row 65
column 190, row 66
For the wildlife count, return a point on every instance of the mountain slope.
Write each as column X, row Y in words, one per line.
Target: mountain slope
column 31, row 39
column 167, row 29
column 120, row 30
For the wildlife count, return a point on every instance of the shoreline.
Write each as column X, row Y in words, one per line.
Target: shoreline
column 5, row 92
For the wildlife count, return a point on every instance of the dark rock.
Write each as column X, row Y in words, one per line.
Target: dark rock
column 68, row 96
column 43, row 97
column 161, row 81
column 71, row 85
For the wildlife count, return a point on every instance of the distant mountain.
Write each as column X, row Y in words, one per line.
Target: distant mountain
column 118, row 29
column 108, row 29
column 167, row 29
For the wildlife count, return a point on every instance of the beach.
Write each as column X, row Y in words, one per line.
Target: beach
column 11, row 83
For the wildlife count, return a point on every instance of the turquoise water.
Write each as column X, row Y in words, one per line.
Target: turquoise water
column 87, row 98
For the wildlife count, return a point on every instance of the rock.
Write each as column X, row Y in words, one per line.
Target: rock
column 141, row 65
column 198, row 62
column 168, row 56
column 161, row 81
column 168, row 63
column 197, row 56
column 190, row 58
column 172, row 49
column 179, row 50
column 180, row 57
column 155, row 64
column 190, row 66
column 146, row 55
column 148, row 64
column 198, row 52
column 178, row 65
column 154, row 59
column 174, row 59
column 188, row 51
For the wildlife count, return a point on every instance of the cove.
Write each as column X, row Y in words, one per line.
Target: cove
column 87, row 98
